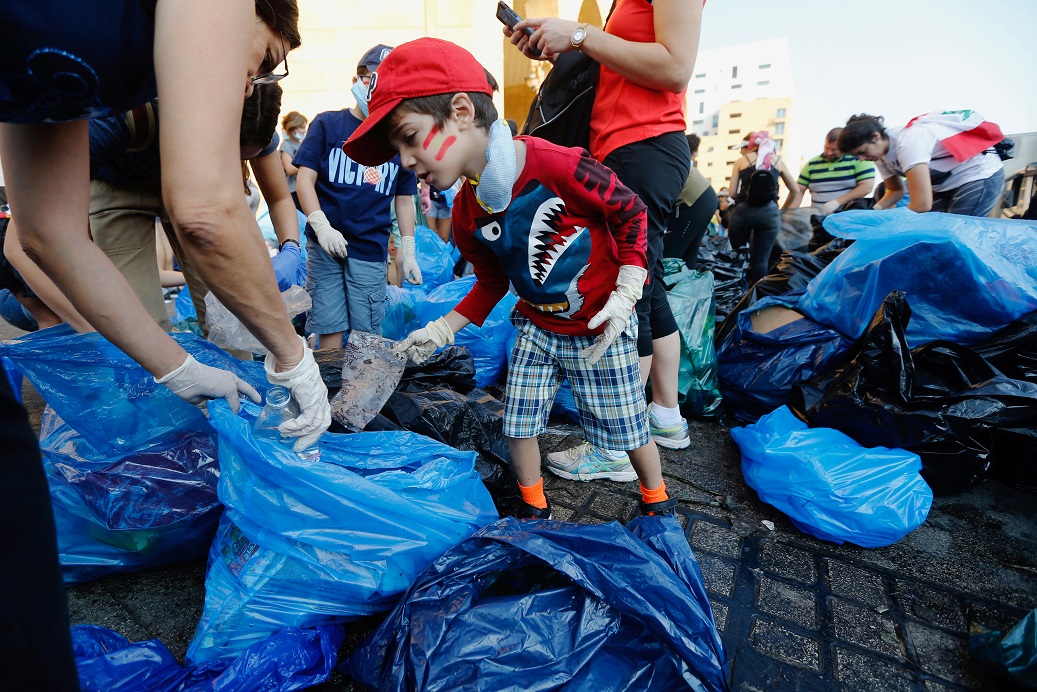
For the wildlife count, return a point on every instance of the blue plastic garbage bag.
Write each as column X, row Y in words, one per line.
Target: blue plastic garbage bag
column 1012, row 657
column 435, row 258
column 488, row 344
column 401, row 311
column 155, row 505
column 108, row 398
column 965, row 277
column 14, row 376
column 757, row 370
column 532, row 605
column 184, row 306
column 304, row 543
column 291, row 659
column 830, row 486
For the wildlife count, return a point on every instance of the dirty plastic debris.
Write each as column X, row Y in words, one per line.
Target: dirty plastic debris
column 690, row 294
column 534, row 605
column 227, row 331
column 371, row 369
column 291, row 659
column 1013, row 656
column 830, row 486
column 303, row 545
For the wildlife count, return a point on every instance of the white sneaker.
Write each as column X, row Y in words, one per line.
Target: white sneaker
column 669, row 436
column 588, row 462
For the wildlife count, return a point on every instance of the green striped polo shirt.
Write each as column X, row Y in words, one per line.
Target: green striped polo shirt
column 830, row 179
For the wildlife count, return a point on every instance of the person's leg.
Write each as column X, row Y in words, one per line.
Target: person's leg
column 325, row 282
column 122, row 223
column 365, row 294
column 687, row 226
column 739, row 227
column 766, row 222
column 979, row 197
column 443, row 228
column 35, row 642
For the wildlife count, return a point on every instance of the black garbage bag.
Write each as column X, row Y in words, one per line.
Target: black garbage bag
column 538, row 605
column 729, row 279
column 452, row 367
column 1013, row 350
column 941, row 401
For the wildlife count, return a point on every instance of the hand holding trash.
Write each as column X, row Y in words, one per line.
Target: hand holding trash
column 616, row 313
column 309, row 391
column 411, row 270
column 196, row 383
column 287, row 264
column 422, row 343
column 830, row 207
column 328, row 237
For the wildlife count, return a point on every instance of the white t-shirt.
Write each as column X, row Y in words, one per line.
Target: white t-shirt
column 909, row 147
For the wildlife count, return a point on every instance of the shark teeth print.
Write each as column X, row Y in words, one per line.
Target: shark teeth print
column 549, row 238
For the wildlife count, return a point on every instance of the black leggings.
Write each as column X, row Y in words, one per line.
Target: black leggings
column 687, row 225
column 757, row 227
column 655, row 169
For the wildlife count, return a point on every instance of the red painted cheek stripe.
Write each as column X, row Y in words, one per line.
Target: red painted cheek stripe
column 431, row 135
column 446, row 146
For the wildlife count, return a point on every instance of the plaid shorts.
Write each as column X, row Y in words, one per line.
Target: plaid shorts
column 609, row 396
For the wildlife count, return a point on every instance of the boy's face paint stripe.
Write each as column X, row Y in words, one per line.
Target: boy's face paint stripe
column 446, row 146
column 431, row 135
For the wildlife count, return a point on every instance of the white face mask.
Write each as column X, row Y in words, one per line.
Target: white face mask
column 298, row 134
column 360, row 92
column 498, row 178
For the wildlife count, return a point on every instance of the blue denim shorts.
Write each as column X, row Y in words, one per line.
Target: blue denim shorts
column 347, row 293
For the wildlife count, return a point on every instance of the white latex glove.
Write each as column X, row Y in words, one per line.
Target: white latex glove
column 309, row 392
column 196, row 383
column 616, row 313
column 330, row 239
column 410, row 260
column 830, row 207
column 422, row 343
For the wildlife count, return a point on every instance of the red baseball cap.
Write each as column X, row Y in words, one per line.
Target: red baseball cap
column 424, row 67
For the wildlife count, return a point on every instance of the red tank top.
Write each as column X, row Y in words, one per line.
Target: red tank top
column 623, row 111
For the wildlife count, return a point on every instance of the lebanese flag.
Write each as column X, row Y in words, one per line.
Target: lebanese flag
column 963, row 133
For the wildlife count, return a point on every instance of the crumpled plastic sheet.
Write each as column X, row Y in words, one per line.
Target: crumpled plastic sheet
column 291, row 659
column 1013, row 656
column 830, row 486
column 227, row 331
column 690, row 294
column 306, row 543
column 371, row 369
column 539, row 605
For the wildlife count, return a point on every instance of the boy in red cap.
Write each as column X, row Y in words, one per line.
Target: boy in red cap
column 553, row 222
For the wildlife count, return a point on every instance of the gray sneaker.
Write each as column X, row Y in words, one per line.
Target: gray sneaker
column 669, row 436
column 588, row 462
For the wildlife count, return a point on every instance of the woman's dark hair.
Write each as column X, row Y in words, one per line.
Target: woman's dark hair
column 259, row 120
column 859, row 130
column 693, row 143
column 283, row 16
column 438, row 106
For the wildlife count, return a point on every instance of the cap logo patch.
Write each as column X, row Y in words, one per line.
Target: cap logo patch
column 371, row 85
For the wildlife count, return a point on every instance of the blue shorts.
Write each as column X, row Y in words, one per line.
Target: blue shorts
column 609, row 396
column 347, row 294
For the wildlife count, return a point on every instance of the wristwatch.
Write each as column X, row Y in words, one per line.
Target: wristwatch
column 289, row 240
column 578, row 36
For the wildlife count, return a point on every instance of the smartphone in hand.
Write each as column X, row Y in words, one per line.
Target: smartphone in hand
column 507, row 16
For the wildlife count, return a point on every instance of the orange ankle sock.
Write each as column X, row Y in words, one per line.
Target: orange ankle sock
column 655, row 495
column 534, row 494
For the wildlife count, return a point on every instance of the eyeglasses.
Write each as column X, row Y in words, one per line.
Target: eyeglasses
column 364, row 79
column 270, row 77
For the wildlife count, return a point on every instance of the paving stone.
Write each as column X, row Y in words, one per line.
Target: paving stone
column 571, row 492
column 560, row 512
column 932, row 607
column 937, row 686
column 865, row 628
column 787, row 602
column 609, row 504
column 852, row 582
column 720, row 612
column 775, row 640
column 709, row 536
column 857, row 672
column 791, row 563
column 941, row 654
column 718, row 574
column 999, row 619
column 95, row 606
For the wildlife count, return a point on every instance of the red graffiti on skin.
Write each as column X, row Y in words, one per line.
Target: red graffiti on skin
column 431, row 135
column 446, row 146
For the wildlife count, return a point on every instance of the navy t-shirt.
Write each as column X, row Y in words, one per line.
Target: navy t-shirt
column 66, row 60
column 356, row 199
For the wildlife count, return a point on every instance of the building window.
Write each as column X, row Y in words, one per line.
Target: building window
column 733, row 132
column 702, row 107
column 736, row 86
column 765, row 67
column 709, row 164
column 716, row 120
column 779, row 128
column 735, row 115
column 734, row 72
column 709, row 150
column 777, row 145
column 696, row 122
column 781, row 113
column 700, row 76
column 700, row 91
column 763, row 83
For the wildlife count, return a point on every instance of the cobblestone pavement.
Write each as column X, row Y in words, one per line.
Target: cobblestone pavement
column 795, row 613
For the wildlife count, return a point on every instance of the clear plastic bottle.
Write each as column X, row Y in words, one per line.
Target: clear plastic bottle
column 280, row 407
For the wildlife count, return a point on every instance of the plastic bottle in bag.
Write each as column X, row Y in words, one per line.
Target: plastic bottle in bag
column 281, row 407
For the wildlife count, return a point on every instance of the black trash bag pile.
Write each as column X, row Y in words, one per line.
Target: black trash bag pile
column 728, row 268
column 942, row 401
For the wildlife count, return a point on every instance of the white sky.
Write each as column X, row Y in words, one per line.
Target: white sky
column 895, row 58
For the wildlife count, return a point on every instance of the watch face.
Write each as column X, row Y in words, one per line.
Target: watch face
column 578, row 34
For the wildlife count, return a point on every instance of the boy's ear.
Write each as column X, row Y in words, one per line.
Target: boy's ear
column 463, row 110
